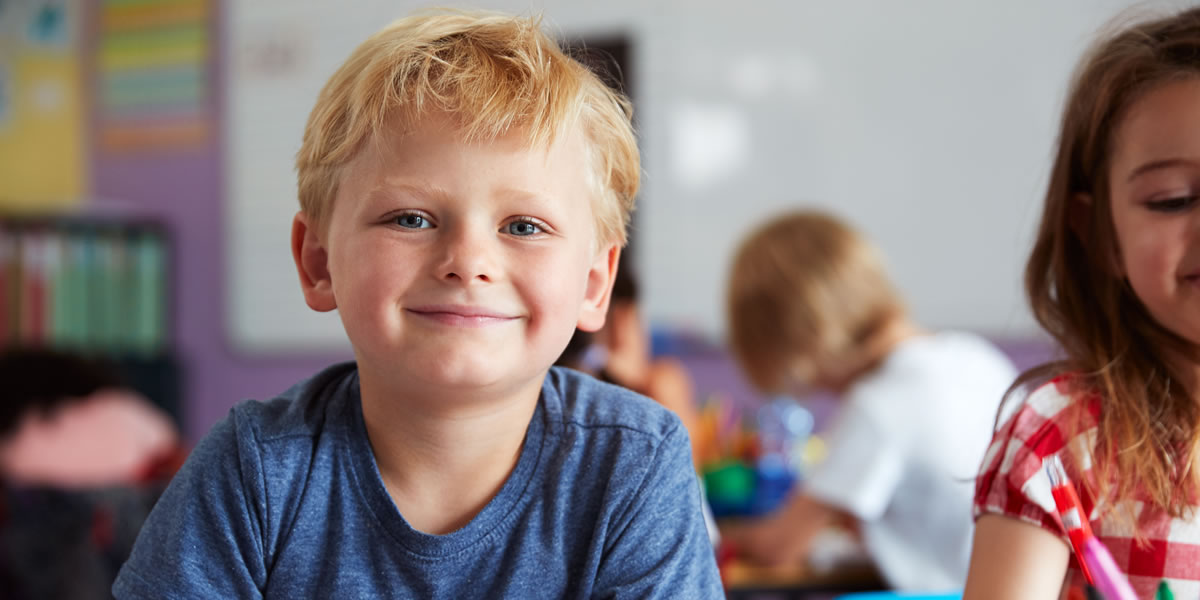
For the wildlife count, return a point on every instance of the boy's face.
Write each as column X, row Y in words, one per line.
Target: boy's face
column 459, row 265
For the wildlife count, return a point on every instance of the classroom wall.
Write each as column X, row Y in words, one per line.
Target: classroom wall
column 184, row 190
column 927, row 124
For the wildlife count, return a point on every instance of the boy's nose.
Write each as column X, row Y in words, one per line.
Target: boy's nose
column 468, row 257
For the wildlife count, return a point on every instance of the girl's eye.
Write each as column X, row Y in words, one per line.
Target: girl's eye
column 1170, row 205
column 412, row 221
column 522, row 228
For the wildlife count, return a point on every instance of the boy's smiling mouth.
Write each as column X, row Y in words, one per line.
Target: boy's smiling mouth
column 460, row 315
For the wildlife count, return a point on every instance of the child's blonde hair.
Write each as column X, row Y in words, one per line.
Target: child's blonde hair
column 805, row 291
column 497, row 74
column 1149, row 426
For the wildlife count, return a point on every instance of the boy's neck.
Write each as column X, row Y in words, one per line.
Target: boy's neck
column 442, row 462
column 876, row 350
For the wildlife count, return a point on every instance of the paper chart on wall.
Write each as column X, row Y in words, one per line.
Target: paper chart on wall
column 153, row 75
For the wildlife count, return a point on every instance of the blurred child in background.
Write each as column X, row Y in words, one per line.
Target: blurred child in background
column 1114, row 276
column 810, row 306
column 620, row 353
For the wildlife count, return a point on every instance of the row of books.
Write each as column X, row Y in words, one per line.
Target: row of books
column 97, row 287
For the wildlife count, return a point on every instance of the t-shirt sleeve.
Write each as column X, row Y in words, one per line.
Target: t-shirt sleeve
column 862, row 468
column 204, row 537
column 1011, row 480
column 659, row 547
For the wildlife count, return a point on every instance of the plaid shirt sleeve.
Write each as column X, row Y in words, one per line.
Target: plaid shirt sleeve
column 1011, row 481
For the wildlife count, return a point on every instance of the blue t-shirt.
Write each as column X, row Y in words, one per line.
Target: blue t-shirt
column 283, row 500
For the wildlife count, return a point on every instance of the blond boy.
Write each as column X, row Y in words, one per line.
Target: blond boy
column 464, row 190
column 811, row 306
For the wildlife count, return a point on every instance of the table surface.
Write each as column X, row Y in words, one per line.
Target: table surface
column 838, row 563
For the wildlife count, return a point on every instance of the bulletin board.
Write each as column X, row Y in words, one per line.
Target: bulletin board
column 929, row 125
column 41, row 110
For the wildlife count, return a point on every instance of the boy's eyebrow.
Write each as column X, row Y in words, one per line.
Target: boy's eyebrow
column 389, row 191
column 432, row 192
column 422, row 188
column 1157, row 165
column 519, row 194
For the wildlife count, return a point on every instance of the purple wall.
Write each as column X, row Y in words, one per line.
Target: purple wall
column 715, row 373
column 185, row 190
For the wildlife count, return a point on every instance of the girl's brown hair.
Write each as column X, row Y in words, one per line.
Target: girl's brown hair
column 1149, row 425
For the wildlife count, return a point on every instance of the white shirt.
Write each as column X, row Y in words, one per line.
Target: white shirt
column 904, row 451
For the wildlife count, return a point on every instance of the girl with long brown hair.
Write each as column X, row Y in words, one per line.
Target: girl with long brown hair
column 1114, row 277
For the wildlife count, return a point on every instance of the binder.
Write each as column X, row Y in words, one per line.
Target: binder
column 8, row 255
column 91, row 286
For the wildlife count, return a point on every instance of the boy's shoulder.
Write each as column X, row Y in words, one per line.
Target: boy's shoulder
column 302, row 410
column 575, row 399
column 951, row 350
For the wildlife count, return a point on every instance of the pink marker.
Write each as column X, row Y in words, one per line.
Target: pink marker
column 1110, row 580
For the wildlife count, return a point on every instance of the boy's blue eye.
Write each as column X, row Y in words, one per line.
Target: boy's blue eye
column 413, row 221
column 523, row 228
column 1170, row 205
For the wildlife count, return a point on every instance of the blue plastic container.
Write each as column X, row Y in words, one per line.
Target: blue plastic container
column 900, row 596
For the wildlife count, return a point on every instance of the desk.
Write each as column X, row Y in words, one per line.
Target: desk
column 844, row 567
column 751, row 582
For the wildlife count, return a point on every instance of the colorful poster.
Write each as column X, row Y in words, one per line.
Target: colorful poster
column 153, row 74
column 41, row 111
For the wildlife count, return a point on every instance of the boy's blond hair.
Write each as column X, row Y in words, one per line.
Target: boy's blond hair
column 496, row 74
column 805, row 291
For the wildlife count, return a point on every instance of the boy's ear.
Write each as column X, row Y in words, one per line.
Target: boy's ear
column 312, row 263
column 600, row 279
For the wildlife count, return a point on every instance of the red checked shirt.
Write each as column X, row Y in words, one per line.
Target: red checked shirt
column 1012, row 483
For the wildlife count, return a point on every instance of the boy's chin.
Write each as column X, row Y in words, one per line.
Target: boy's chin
column 467, row 377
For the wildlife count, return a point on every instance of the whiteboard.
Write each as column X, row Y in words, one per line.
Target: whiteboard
column 927, row 124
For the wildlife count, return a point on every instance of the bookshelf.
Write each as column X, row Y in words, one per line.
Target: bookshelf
column 94, row 286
